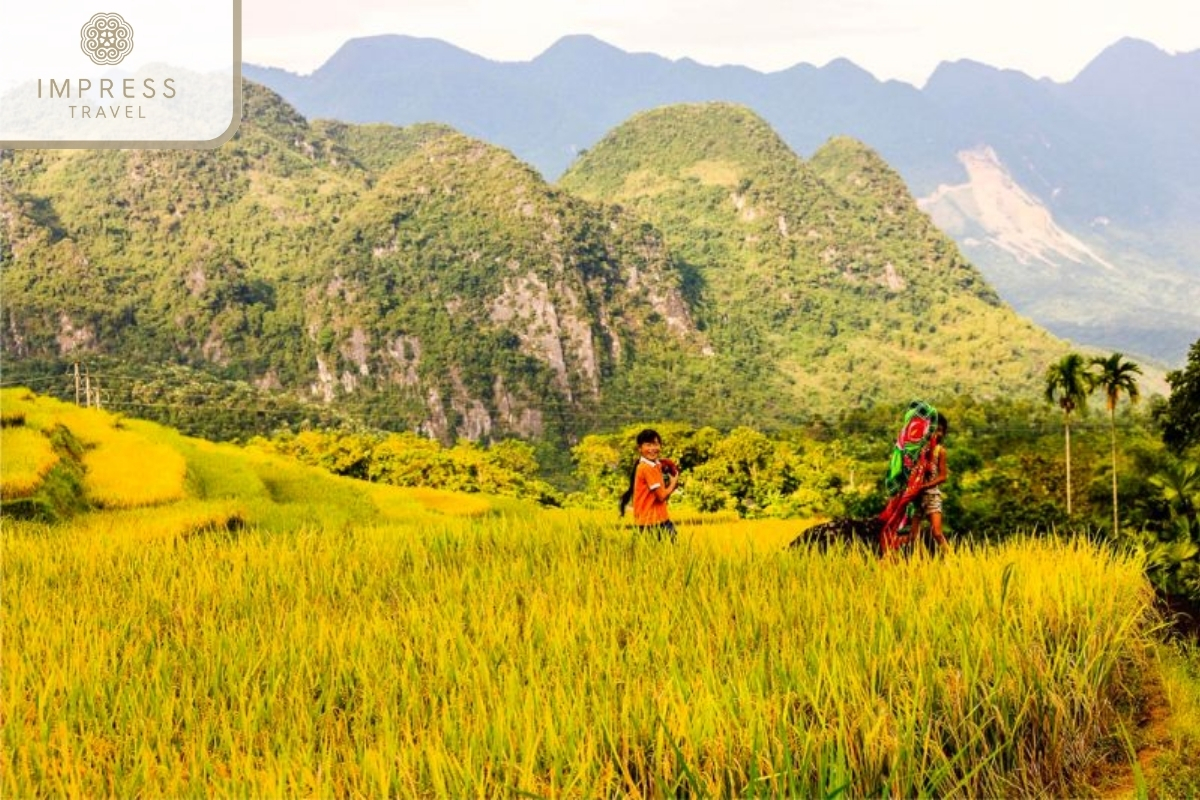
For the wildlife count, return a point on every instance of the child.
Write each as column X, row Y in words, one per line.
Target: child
column 931, row 496
column 651, row 484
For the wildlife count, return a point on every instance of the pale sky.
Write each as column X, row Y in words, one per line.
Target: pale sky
column 892, row 39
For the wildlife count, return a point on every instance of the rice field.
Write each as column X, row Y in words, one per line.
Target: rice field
column 485, row 657
column 26, row 457
column 125, row 463
column 276, row 631
column 126, row 470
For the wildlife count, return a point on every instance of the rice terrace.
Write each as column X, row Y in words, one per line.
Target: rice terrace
column 227, row 620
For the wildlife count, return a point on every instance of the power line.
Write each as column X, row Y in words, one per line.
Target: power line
column 32, row 381
column 614, row 413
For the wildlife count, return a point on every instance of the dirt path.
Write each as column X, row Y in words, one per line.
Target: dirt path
column 1154, row 738
column 1153, row 734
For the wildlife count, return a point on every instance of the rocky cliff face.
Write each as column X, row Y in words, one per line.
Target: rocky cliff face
column 444, row 288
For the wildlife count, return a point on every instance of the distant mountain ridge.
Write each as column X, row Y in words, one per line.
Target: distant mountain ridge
column 1107, row 160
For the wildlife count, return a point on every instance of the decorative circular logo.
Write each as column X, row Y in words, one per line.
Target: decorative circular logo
column 106, row 38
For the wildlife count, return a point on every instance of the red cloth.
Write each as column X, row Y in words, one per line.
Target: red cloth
column 896, row 515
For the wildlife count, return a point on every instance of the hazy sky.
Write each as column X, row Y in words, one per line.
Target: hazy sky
column 901, row 39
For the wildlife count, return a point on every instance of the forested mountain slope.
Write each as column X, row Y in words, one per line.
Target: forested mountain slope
column 416, row 278
column 823, row 275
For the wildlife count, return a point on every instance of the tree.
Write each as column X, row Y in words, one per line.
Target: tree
column 1179, row 484
column 1068, row 384
column 1181, row 417
column 1173, row 555
column 1115, row 376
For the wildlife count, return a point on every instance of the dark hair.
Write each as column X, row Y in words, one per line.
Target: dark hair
column 648, row 435
column 645, row 436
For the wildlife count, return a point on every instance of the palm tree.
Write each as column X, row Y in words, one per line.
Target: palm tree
column 1068, row 384
column 1116, row 377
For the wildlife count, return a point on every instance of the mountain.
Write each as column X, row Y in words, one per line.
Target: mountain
column 1080, row 197
column 690, row 266
column 1103, row 166
column 823, row 277
column 419, row 278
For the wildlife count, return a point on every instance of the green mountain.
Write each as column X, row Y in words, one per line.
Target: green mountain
column 821, row 278
column 415, row 278
column 1076, row 200
column 419, row 278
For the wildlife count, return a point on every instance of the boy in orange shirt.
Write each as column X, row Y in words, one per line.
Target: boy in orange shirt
column 651, row 484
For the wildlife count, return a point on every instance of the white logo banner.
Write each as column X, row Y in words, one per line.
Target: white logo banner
column 129, row 73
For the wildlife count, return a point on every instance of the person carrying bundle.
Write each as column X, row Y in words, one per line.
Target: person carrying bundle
column 916, row 471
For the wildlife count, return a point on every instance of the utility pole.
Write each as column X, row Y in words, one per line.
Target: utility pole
column 76, row 383
column 87, row 386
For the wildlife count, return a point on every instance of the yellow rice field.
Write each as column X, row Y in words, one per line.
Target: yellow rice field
column 26, row 457
column 125, row 464
column 557, row 657
column 265, row 629
column 126, row 470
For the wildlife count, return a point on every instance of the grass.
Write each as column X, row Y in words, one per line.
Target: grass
column 1171, row 733
column 720, row 173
